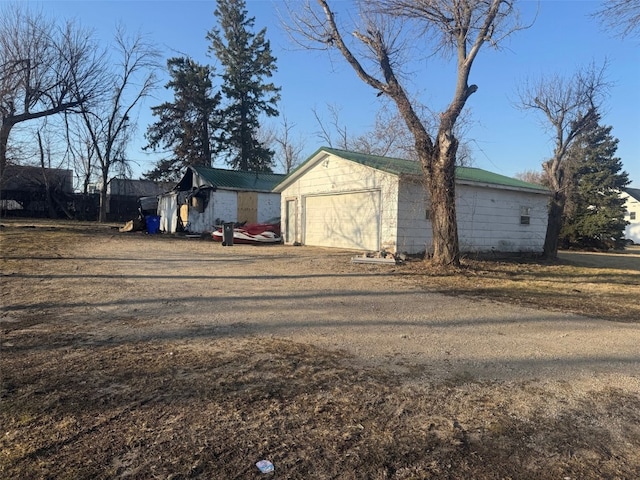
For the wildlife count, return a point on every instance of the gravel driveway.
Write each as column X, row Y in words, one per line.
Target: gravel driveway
column 176, row 288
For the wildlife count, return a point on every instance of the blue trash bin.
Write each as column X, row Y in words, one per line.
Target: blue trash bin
column 153, row 223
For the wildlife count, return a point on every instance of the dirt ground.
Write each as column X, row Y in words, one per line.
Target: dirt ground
column 137, row 356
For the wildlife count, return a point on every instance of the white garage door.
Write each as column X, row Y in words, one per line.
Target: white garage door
column 348, row 220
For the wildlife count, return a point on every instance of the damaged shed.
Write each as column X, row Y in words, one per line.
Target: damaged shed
column 206, row 197
column 356, row 201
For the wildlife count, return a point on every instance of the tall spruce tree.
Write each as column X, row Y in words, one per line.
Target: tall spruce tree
column 594, row 216
column 247, row 62
column 188, row 126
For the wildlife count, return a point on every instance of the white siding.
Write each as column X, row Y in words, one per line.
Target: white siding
column 268, row 206
column 223, row 206
column 333, row 175
column 632, row 231
column 414, row 230
column 489, row 219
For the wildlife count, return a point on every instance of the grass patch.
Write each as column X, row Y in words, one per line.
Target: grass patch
column 212, row 410
column 607, row 293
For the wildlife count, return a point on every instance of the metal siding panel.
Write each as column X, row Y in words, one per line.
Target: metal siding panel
column 168, row 211
column 268, row 206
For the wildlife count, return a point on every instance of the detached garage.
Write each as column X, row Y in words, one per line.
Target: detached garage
column 355, row 201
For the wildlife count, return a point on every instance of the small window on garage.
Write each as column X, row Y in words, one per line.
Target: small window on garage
column 525, row 215
column 632, row 215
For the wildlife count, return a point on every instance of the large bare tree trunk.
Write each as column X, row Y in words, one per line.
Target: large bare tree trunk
column 47, row 67
column 5, row 129
column 443, row 216
column 439, row 171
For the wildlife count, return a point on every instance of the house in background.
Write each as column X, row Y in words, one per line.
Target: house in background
column 34, row 191
column 124, row 195
column 632, row 215
column 206, row 197
column 349, row 200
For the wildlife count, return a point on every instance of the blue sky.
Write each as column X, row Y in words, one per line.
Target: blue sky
column 504, row 139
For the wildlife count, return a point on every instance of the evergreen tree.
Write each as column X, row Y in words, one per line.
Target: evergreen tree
column 188, row 125
column 594, row 216
column 247, row 62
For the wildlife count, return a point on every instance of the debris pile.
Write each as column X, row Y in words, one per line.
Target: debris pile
column 380, row 257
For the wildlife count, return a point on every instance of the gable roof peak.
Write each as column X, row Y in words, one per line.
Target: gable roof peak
column 633, row 192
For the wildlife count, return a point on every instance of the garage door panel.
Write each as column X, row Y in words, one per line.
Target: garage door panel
column 349, row 220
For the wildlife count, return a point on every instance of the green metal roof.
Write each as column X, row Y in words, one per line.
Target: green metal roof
column 220, row 178
column 399, row 166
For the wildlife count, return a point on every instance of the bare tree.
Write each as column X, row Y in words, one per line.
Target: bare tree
column 329, row 130
column 569, row 107
column 53, row 183
column 622, row 16
column 82, row 153
column 459, row 28
column 532, row 176
column 290, row 150
column 389, row 136
column 44, row 69
column 107, row 120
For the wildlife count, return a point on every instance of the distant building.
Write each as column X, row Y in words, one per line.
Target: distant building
column 136, row 188
column 632, row 215
column 34, row 191
column 124, row 195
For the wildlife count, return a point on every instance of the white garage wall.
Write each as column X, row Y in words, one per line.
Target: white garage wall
column 489, row 219
column 488, row 216
column 414, row 230
column 334, row 175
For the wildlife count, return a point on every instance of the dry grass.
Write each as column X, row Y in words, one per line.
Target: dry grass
column 72, row 407
column 579, row 285
column 157, row 410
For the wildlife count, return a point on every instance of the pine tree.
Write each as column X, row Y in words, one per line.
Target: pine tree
column 247, row 62
column 595, row 212
column 188, row 125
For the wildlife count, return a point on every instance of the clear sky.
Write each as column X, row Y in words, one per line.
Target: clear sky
column 505, row 140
